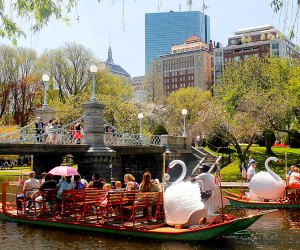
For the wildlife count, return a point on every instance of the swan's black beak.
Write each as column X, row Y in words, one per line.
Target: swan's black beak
column 278, row 162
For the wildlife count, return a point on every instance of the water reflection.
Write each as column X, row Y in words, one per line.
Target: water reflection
column 273, row 231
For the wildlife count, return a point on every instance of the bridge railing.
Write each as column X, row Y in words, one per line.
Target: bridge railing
column 18, row 135
column 29, row 134
column 64, row 135
column 125, row 139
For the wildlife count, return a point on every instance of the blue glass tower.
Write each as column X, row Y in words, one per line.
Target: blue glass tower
column 168, row 28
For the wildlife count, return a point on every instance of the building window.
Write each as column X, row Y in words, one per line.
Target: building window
column 219, row 61
column 275, row 46
column 218, row 54
column 236, row 58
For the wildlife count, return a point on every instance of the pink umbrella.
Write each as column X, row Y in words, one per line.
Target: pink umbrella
column 63, row 171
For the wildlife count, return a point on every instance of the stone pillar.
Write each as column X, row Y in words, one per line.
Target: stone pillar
column 45, row 162
column 96, row 162
column 99, row 158
column 46, row 114
column 94, row 126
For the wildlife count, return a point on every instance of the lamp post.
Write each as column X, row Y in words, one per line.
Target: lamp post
column 140, row 116
column 93, row 70
column 45, row 79
column 184, row 113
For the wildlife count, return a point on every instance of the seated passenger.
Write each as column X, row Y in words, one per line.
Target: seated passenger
column 30, row 186
column 107, row 188
column 64, row 184
column 118, row 186
column 129, row 186
column 294, row 181
column 48, row 183
column 148, row 186
column 291, row 170
column 96, row 182
column 128, row 178
column 157, row 183
column 78, row 183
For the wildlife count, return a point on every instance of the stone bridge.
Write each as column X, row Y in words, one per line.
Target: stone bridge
column 109, row 154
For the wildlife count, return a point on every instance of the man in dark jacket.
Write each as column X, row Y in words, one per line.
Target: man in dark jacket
column 39, row 129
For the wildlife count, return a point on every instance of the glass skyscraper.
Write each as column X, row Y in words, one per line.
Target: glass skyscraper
column 165, row 29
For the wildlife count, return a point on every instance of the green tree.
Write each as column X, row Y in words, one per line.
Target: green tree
column 20, row 90
column 112, row 91
column 153, row 114
column 248, row 100
column 68, row 66
column 269, row 138
column 160, row 130
column 193, row 100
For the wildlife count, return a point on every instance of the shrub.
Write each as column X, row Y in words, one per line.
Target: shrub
column 160, row 130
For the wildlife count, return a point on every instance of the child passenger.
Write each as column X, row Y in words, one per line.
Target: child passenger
column 118, row 186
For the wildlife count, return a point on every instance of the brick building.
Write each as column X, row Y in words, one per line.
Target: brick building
column 190, row 64
column 259, row 41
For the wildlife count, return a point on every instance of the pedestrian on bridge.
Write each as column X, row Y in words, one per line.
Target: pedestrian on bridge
column 39, row 129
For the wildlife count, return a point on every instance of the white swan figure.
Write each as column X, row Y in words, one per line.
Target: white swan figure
column 181, row 199
column 267, row 185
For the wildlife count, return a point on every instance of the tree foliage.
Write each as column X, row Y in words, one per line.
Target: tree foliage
column 20, row 90
column 152, row 85
column 193, row 100
column 39, row 12
column 252, row 96
column 68, row 66
column 112, row 91
column 36, row 12
column 160, row 130
column 23, row 99
column 153, row 114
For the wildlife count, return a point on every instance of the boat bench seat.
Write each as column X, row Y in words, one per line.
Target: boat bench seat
column 87, row 207
column 136, row 206
column 110, row 207
column 24, row 201
column 45, row 202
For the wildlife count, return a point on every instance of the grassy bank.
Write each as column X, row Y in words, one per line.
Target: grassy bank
column 13, row 175
column 232, row 171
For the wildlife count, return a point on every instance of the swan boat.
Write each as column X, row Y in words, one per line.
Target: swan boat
column 237, row 200
column 219, row 226
column 266, row 191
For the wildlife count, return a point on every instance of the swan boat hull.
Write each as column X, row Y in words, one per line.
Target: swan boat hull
column 236, row 201
column 161, row 232
column 219, row 226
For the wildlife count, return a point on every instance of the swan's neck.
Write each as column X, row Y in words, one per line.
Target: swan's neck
column 183, row 173
column 275, row 176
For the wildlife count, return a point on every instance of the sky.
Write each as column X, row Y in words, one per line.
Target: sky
column 102, row 22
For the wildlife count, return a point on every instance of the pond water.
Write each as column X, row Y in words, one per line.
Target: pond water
column 277, row 230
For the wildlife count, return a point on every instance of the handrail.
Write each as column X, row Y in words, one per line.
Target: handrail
column 198, row 165
column 27, row 135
